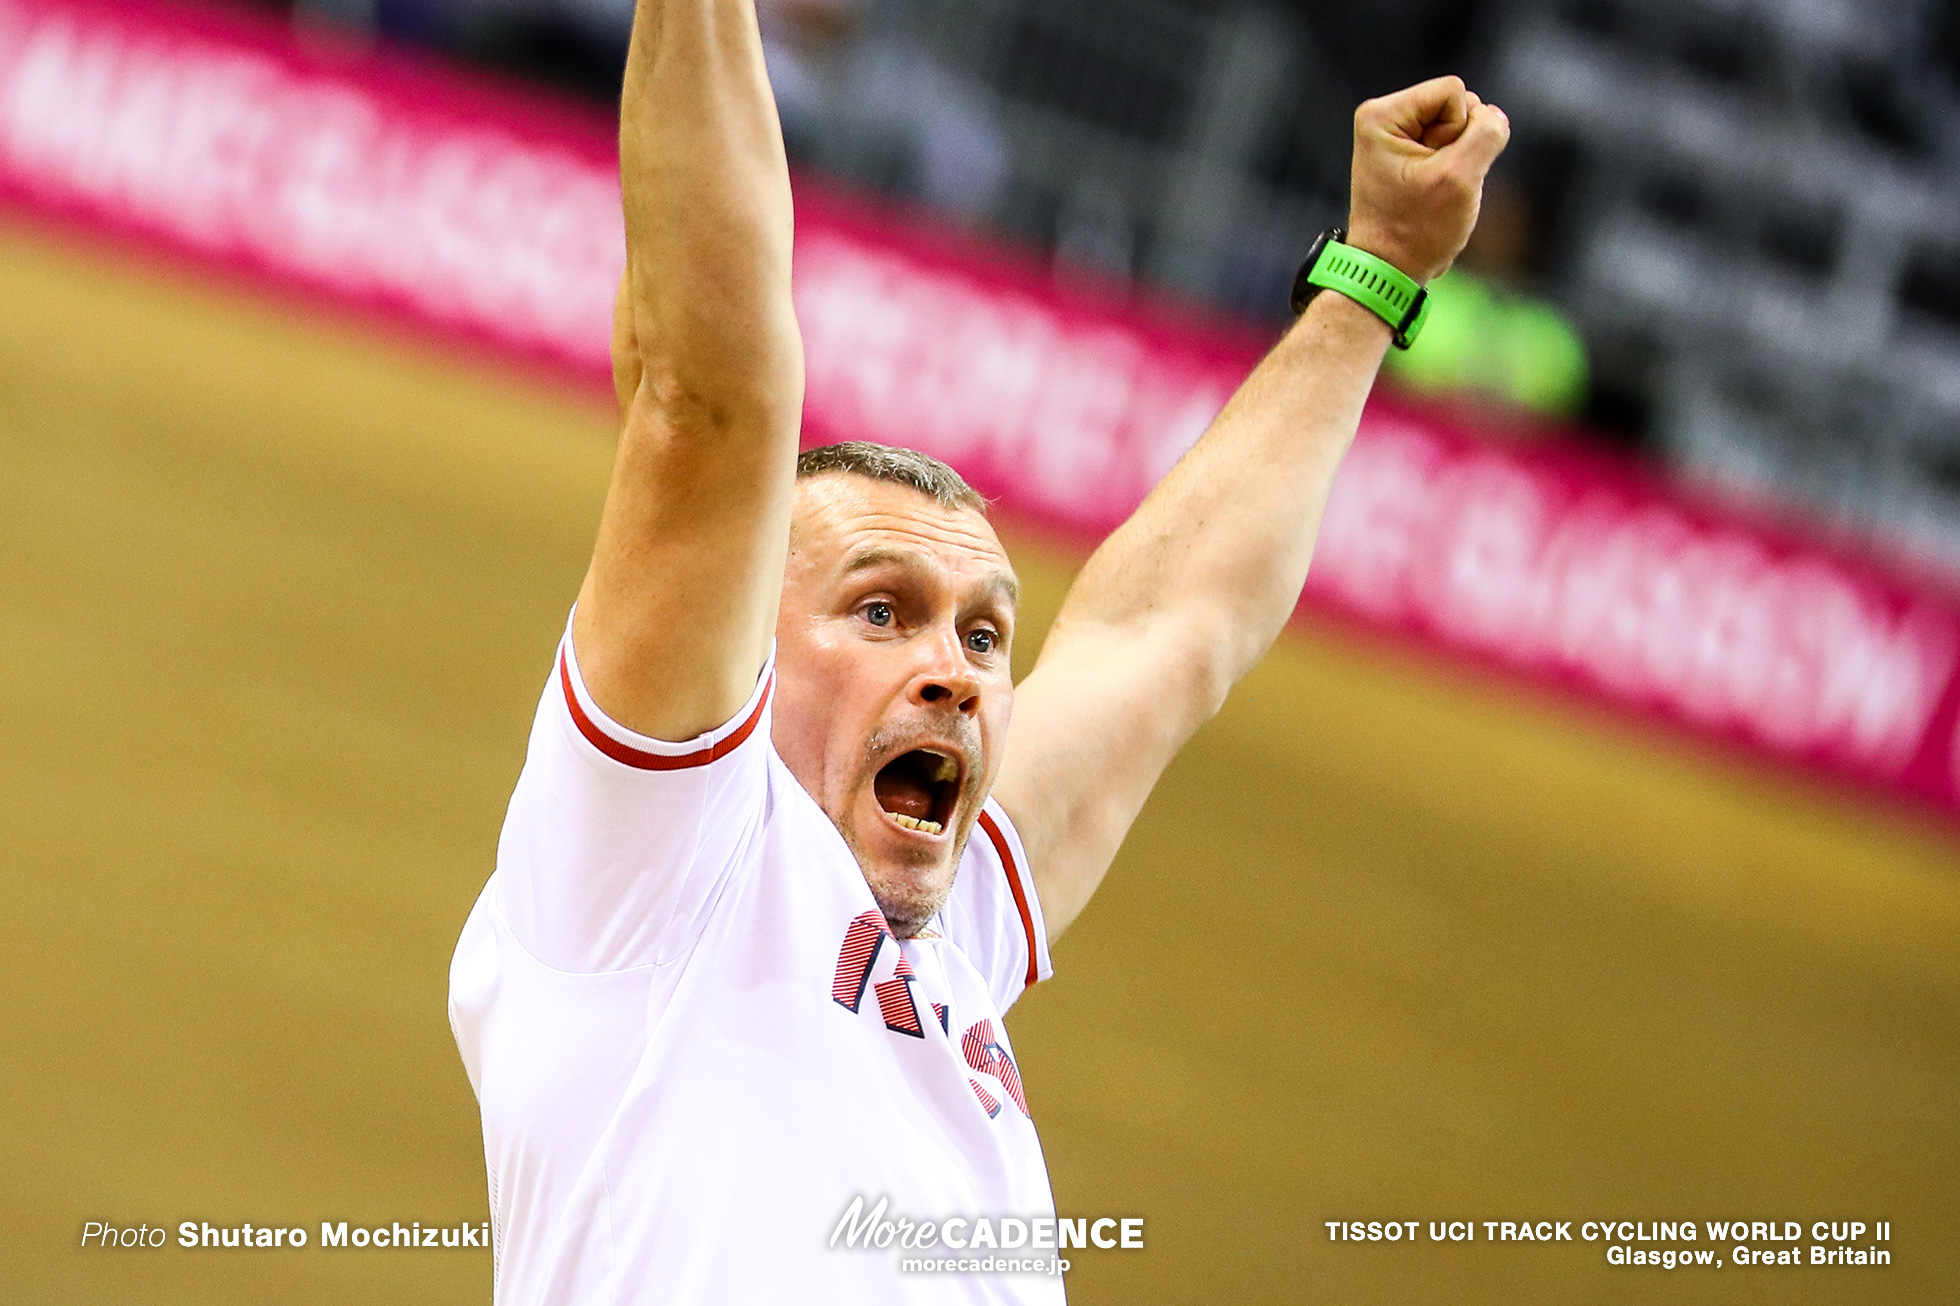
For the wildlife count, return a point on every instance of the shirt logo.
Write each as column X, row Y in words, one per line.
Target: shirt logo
column 864, row 940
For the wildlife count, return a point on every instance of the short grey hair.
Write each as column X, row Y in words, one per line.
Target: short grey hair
column 884, row 462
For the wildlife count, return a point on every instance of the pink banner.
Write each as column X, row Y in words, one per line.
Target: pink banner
column 384, row 179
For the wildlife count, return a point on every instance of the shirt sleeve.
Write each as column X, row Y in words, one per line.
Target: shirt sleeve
column 993, row 914
column 616, row 845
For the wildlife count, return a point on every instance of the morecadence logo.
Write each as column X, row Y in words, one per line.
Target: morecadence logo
column 981, row 1238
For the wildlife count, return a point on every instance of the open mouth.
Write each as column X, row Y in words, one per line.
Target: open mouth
column 919, row 790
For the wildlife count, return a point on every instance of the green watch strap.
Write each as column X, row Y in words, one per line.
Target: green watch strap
column 1375, row 284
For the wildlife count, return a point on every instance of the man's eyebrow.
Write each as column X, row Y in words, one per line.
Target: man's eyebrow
column 883, row 555
column 1004, row 584
column 999, row 584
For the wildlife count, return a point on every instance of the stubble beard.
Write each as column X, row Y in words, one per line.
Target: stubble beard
column 907, row 899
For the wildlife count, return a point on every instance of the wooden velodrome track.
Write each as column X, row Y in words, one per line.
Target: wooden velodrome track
column 276, row 597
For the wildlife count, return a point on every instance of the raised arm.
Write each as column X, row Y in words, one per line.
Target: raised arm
column 1185, row 597
column 677, row 611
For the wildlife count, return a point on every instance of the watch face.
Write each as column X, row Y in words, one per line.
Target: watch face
column 1303, row 289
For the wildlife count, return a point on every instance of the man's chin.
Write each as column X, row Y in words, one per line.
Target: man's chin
column 910, row 882
column 909, row 896
column 908, row 888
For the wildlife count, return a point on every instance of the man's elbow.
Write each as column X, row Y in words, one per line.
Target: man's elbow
column 1208, row 664
column 714, row 397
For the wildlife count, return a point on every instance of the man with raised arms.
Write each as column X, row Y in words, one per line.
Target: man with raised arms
column 779, row 858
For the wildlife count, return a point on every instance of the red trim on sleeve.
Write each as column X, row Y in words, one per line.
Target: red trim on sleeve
column 645, row 761
column 999, row 841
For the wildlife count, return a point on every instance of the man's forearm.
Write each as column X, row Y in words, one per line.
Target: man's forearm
column 1188, row 594
column 1215, row 557
column 707, row 200
column 1211, row 565
column 677, row 611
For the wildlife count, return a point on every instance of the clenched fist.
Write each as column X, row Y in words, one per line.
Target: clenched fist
column 1420, row 156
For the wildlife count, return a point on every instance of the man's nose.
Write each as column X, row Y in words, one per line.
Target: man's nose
column 947, row 680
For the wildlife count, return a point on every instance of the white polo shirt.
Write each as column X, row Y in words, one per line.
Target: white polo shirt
column 694, row 1040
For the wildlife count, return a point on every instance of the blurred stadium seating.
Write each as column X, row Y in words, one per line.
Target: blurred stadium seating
column 1746, row 207
column 1760, row 231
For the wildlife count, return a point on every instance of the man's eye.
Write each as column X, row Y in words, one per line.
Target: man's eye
column 983, row 641
column 878, row 614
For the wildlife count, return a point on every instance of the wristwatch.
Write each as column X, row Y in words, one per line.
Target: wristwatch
column 1373, row 283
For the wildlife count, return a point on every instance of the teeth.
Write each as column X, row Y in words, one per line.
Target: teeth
column 948, row 770
column 916, row 823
